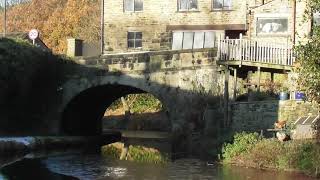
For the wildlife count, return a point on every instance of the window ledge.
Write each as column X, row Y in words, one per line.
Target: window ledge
column 188, row 11
column 135, row 48
column 132, row 12
column 222, row 10
column 273, row 35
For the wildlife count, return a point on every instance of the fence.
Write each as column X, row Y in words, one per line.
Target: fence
column 255, row 51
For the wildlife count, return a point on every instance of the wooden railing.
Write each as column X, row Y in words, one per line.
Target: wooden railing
column 255, row 51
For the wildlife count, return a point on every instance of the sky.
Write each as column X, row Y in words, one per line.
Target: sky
column 11, row 2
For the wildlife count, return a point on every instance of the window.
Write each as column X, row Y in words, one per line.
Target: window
column 193, row 39
column 133, row 5
column 272, row 25
column 221, row 4
column 134, row 39
column 187, row 5
column 316, row 18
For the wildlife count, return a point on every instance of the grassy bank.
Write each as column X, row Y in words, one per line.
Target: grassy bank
column 135, row 153
column 248, row 149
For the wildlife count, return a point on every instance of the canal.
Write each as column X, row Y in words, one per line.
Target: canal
column 87, row 166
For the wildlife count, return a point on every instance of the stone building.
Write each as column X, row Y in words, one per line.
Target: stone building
column 280, row 21
column 147, row 25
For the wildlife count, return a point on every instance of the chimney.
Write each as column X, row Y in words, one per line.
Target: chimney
column 74, row 47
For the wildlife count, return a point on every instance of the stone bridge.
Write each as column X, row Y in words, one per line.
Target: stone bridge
column 186, row 82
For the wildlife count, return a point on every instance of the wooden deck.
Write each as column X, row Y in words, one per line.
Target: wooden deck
column 242, row 52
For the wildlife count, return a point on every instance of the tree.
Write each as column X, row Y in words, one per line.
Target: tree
column 77, row 19
column 308, row 64
column 57, row 20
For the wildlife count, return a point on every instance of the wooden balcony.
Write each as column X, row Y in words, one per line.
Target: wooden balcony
column 250, row 53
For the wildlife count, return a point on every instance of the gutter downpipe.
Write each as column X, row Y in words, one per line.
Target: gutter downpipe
column 102, row 28
column 5, row 19
column 294, row 16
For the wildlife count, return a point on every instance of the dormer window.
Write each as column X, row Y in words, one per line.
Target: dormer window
column 133, row 5
column 221, row 4
column 187, row 5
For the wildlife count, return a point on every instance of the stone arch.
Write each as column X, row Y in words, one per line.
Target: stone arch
column 85, row 100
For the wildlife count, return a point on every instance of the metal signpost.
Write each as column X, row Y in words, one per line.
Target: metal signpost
column 5, row 19
column 33, row 35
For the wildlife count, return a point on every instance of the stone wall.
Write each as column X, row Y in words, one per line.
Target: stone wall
column 280, row 9
column 291, row 110
column 255, row 116
column 185, row 82
column 159, row 18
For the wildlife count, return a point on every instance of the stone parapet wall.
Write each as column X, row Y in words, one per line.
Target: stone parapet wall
column 153, row 61
column 261, row 115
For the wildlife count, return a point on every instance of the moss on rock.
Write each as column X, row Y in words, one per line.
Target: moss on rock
column 135, row 153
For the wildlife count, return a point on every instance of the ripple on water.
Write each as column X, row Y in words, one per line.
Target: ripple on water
column 95, row 167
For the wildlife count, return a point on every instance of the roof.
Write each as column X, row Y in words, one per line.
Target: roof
column 266, row 3
column 307, row 120
column 23, row 35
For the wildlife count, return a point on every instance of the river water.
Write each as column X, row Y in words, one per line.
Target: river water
column 85, row 166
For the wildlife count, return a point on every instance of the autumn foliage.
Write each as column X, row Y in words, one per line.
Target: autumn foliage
column 56, row 20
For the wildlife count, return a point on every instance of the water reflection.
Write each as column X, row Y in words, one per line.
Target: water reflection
column 93, row 166
column 30, row 169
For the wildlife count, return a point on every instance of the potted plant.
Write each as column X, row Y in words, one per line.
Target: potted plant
column 284, row 95
column 299, row 95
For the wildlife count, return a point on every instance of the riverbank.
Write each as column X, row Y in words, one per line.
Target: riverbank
column 25, row 145
column 251, row 150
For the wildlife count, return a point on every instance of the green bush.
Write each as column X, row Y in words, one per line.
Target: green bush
column 305, row 157
column 139, row 103
column 309, row 158
column 242, row 143
column 263, row 153
column 111, row 151
column 144, row 102
column 250, row 150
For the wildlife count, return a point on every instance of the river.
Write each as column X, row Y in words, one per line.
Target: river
column 70, row 166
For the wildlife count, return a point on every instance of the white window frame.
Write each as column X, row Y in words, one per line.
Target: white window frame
column 188, row 5
column 224, row 7
column 134, row 39
column 134, row 6
column 272, row 16
column 205, row 45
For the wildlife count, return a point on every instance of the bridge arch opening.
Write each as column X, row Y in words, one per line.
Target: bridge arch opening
column 85, row 113
column 136, row 112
